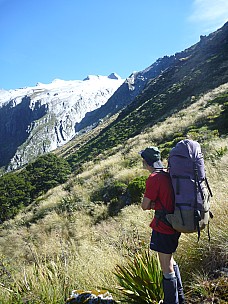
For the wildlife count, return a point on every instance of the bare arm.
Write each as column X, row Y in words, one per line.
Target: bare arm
column 147, row 204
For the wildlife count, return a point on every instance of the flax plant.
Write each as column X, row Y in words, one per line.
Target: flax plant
column 140, row 279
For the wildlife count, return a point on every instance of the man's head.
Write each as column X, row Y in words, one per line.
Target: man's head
column 152, row 157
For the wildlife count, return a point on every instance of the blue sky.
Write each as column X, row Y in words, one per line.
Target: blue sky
column 41, row 40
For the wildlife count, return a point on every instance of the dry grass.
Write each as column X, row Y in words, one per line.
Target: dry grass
column 49, row 252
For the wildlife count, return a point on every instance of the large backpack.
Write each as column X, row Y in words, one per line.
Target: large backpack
column 191, row 190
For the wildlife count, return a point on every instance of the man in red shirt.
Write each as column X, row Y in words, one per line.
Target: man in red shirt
column 164, row 239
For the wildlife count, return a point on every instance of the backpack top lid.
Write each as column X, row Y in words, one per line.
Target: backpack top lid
column 187, row 148
column 184, row 153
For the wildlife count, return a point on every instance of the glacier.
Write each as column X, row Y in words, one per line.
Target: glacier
column 46, row 115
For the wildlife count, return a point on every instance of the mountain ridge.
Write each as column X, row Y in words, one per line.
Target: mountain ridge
column 204, row 68
column 137, row 82
column 36, row 120
column 141, row 100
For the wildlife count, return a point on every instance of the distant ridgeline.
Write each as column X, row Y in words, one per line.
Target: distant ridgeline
column 185, row 76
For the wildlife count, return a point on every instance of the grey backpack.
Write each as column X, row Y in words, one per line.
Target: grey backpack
column 191, row 189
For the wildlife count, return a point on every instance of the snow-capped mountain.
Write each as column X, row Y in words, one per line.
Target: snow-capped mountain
column 36, row 120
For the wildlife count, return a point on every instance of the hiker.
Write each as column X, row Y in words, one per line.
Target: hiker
column 164, row 239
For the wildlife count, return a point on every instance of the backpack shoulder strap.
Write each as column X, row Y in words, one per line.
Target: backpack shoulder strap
column 160, row 215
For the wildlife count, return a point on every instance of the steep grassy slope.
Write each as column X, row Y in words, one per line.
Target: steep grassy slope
column 74, row 236
column 205, row 68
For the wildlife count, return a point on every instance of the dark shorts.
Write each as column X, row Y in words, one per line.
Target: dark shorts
column 165, row 243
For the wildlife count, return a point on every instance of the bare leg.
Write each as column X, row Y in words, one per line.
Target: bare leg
column 166, row 261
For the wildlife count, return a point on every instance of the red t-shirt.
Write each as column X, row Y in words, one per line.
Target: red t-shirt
column 159, row 190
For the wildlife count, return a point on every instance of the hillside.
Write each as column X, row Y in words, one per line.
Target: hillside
column 204, row 68
column 70, row 217
column 73, row 236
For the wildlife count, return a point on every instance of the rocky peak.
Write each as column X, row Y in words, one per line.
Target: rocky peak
column 114, row 76
column 36, row 120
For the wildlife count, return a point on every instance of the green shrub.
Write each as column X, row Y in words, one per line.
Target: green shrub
column 116, row 205
column 165, row 153
column 136, row 188
column 46, row 172
column 111, row 191
column 15, row 192
column 202, row 134
column 69, row 204
column 98, row 212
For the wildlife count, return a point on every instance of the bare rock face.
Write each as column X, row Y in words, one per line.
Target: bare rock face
column 36, row 120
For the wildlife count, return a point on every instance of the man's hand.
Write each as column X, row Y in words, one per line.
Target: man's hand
column 152, row 205
column 147, row 204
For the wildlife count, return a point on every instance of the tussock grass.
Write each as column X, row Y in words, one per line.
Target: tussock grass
column 83, row 254
column 63, row 241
